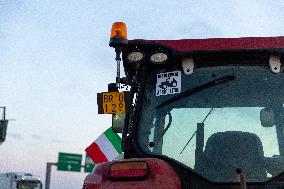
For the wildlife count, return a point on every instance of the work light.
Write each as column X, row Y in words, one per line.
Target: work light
column 135, row 56
column 159, row 58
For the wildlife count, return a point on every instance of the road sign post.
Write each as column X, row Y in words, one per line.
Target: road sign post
column 66, row 162
column 69, row 162
column 48, row 174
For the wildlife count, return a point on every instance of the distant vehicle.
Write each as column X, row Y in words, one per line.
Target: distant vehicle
column 19, row 181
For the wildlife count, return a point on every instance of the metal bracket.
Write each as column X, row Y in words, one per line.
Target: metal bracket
column 275, row 64
column 188, row 66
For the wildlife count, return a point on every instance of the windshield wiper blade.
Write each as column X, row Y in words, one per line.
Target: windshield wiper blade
column 190, row 92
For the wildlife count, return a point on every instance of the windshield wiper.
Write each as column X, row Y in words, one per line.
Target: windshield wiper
column 190, row 92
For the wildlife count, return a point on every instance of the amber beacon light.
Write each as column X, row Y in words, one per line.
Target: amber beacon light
column 118, row 37
column 118, row 40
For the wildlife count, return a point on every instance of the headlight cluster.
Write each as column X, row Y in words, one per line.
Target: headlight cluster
column 156, row 58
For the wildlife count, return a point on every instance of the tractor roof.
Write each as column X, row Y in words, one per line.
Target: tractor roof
column 276, row 44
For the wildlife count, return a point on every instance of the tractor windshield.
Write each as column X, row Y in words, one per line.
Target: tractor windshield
column 216, row 120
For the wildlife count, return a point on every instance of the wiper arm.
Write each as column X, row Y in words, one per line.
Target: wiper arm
column 190, row 92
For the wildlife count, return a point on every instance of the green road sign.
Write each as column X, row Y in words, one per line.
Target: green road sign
column 89, row 164
column 69, row 162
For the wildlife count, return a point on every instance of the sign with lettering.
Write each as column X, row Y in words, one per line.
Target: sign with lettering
column 113, row 102
column 69, row 162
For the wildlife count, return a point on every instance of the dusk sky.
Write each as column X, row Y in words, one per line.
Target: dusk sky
column 55, row 58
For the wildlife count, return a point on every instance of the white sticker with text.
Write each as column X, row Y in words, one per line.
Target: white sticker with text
column 168, row 83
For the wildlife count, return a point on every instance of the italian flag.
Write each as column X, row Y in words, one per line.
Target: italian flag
column 105, row 148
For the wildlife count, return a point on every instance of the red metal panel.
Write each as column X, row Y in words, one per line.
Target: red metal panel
column 216, row 44
column 161, row 176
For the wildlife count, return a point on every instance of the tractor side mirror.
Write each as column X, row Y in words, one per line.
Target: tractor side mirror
column 3, row 130
column 118, row 122
column 267, row 117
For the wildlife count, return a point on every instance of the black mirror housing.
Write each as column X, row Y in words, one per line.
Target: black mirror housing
column 118, row 122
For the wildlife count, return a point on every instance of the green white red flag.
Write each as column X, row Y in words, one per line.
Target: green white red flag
column 105, row 148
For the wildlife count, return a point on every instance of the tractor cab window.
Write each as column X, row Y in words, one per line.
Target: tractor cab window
column 217, row 120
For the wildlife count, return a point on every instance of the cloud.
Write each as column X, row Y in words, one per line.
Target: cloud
column 16, row 136
column 55, row 140
column 37, row 137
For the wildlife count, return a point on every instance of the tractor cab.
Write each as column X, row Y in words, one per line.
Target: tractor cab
column 211, row 110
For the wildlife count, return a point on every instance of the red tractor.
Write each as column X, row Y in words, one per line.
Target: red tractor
column 204, row 114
